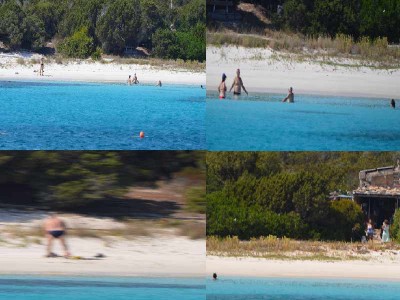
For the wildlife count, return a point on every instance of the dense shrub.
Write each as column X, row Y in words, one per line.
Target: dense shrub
column 79, row 45
column 395, row 226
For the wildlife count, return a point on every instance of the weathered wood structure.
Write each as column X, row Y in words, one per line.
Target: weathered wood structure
column 222, row 10
column 379, row 193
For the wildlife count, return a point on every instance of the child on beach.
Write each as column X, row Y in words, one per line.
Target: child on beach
column 222, row 87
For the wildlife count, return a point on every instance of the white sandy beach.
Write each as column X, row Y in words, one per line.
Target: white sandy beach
column 154, row 256
column 162, row 253
column 89, row 71
column 258, row 267
column 262, row 70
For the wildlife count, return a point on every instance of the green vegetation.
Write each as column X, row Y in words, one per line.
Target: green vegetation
column 361, row 29
column 253, row 194
column 69, row 180
column 272, row 247
column 79, row 27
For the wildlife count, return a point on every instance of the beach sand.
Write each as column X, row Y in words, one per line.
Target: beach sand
column 258, row 267
column 89, row 71
column 161, row 252
column 144, row 256
column 263, row 70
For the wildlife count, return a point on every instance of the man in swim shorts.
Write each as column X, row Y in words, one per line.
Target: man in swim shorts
column 55, row 228
column 237, row 84
column 290, row 97
column 129, row 80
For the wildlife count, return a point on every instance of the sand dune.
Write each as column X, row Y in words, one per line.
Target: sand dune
column 263, row 70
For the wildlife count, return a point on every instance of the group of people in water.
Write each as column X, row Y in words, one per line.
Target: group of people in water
column 237, row 86
column 384, row 233
column 134, row 80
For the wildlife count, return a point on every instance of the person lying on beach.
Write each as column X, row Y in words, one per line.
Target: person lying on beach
column 55, row 228
column 135, row 80
column 159, row 83
column 393, row 103
column 290, row 97
column 41, row 67
column 222, row 87
column 238, row 84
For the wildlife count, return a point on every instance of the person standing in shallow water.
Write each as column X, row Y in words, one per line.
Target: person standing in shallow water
column 237, row 84
column 55, row 228
column 393, row 104
column 290, row 97
column 222, row 87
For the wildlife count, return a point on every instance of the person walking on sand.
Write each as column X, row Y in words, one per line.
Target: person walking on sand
column 222, row 87
column 41, row 67
column 55, row 228
column 393, row 104
column 238, row 84
column 385, row 232
column 370, row 231
column 290, row 96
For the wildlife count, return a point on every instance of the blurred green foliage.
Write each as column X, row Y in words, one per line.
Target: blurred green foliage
column 70, row 179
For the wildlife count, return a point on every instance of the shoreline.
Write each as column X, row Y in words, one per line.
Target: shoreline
column 94, row 71
column 303, row 93
column 262, row 71
column 50, row 81
column 258, row 268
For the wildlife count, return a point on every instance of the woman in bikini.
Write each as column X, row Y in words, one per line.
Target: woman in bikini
column 222, row 87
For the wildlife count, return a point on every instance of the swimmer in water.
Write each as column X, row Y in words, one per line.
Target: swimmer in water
column 290, row 97
column 159, row 83
column 238, row 84
column 393, row 104
column 215, row 276
column 222, row 87
column 129, row 80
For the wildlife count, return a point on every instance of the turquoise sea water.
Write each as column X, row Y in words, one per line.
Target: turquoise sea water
column 301, row 289
column 262, row 122
column 74, row 116
column 73, row 288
